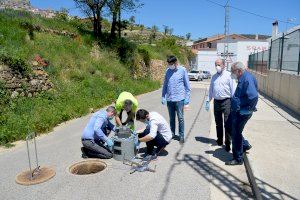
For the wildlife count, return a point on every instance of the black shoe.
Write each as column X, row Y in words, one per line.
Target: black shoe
column 247, row 148
column 181, row 140
column 84, row 156
column 219, row 143
column 227, row 148
column 234, row 162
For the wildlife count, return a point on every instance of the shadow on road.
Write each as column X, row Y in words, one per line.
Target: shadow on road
column 276, row 193
column 206, row 140
column 226, row 182
column 177, row 160
column 220, row 154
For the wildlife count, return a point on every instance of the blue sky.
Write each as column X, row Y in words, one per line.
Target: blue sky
column 202, row 18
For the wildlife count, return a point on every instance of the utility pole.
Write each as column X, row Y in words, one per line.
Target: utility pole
column 226, row 33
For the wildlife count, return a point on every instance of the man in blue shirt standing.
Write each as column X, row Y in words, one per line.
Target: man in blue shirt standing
column 176, row 94
column 243, row 104
column 95, row 139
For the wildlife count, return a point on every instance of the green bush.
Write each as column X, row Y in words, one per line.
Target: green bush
column 16, row 64
column 145, row 55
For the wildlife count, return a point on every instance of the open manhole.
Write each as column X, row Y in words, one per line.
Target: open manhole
column 87, row 167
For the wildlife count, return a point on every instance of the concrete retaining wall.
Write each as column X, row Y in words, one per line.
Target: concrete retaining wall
column 282, row 87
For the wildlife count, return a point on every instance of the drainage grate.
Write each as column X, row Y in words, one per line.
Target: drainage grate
column 87, row 167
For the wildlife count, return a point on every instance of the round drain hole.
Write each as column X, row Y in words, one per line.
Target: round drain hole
column 44, row 174
column 87, row 167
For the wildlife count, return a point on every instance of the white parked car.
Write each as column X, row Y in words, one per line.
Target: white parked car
column 196, row 75
column 207, row 74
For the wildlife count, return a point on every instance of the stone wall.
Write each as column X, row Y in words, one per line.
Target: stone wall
column 29, row 86
column 156, row 71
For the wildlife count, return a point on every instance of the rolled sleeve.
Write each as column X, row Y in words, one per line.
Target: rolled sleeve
column 153, row 129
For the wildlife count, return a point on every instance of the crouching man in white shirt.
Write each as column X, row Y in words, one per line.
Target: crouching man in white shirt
column 157, row 133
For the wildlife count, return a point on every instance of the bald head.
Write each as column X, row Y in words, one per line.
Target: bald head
column 219, row 62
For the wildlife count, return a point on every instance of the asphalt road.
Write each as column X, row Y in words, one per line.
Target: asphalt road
column 180, row 171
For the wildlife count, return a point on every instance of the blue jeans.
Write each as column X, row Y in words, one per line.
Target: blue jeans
column 176, row 107
column 238, row 141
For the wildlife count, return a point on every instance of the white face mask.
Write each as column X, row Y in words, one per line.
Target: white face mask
column 171, row 66
column 219, row 69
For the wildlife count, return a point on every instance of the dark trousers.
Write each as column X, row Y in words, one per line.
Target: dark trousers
column 221, row 112
column 96, row 149
column 159, row 142
column 238, row 141
column 130, row 115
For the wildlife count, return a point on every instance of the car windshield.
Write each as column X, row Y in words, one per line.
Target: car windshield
column 194, row 71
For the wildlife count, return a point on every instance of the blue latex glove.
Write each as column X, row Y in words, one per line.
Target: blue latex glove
column 207, row 105
column 186, row 102
column 109, row 143
column 137, row 142
column 134, row 133
column 163, row 101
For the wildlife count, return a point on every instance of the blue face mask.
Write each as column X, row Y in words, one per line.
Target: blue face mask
column 110, row 118
column 147, row 122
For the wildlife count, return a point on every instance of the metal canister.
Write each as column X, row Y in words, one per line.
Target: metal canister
column 124, row 148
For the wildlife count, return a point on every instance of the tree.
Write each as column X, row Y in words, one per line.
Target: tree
column 171, row 31
column 153, row 34
column 93, row 10
column 116, row 7
column 131, row 22
column 188, row 36
column 62, row 14
column 142, row 28
column 166, row 29
column 132, row 19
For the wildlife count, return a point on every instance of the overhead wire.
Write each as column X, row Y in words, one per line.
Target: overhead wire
column 249, row 12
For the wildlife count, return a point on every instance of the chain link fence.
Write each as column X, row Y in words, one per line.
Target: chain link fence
column 283, row 55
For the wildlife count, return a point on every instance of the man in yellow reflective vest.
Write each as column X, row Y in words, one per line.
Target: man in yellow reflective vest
column 126, row 101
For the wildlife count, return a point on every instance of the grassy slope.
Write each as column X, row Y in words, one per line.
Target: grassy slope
column 80, row 80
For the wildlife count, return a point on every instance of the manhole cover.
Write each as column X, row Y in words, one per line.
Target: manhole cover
column 87, row 167
column 24, row 178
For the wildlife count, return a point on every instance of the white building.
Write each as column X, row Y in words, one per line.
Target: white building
column 206, row 59
column 239, row 50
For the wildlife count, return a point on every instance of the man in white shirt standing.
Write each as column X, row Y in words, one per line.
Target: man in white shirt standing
column 221, row 89
column 157, row 133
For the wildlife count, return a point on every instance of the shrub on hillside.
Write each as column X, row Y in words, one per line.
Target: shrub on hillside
column 16, row 63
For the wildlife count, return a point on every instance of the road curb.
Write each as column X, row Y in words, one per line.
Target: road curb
column 251, row 178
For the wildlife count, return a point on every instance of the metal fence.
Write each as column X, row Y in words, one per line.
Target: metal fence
column 283, row 55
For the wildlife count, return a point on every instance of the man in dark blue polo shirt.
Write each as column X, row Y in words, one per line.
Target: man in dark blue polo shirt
column 243, row 104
